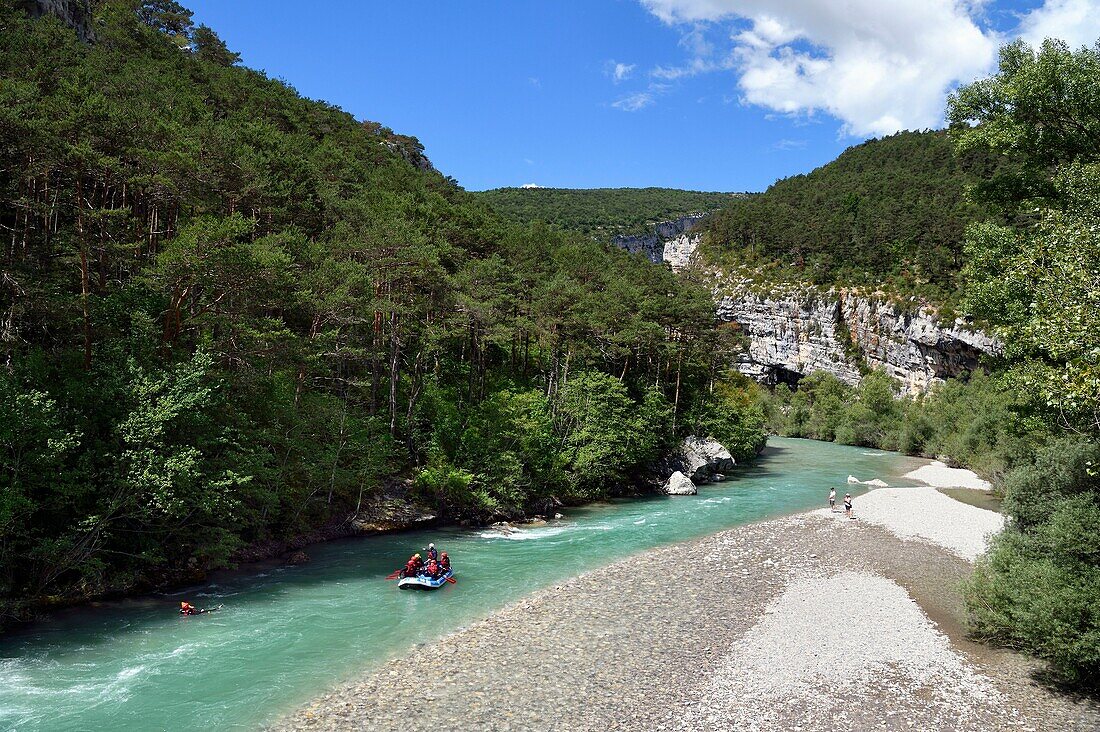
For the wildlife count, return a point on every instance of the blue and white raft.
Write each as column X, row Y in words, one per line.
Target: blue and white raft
column 424, row 582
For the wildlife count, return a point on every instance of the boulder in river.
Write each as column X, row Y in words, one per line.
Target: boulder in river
column 679, row 484
column 702, row 458
column 298, row 557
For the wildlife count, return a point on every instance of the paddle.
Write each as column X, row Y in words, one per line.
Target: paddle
column 394, row 574
column 452, row 580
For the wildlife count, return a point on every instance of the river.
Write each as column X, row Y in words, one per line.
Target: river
column 286, row 634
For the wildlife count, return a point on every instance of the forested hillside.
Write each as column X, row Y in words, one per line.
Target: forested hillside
column 602, row 212
column 229, row 313
column 893, row 209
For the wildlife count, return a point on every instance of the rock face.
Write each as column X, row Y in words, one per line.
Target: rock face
column 391, row 514
column 704, row 458
column 668, row 242
column 74, row 13
column 678, row 252
column 679, row 484
column 297, row 558
column 793, row 332
column 701, row 459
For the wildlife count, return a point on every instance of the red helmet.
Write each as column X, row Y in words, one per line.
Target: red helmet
column 443, row 555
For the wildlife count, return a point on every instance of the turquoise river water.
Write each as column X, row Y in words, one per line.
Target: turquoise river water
column 286, row 634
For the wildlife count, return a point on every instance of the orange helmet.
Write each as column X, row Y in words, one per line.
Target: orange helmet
column 443, row 555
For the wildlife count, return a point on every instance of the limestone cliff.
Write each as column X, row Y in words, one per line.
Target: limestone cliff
column 669, row 241
column 792, row 332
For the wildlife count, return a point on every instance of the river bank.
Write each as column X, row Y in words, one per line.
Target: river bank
column 393, row 508
column 805, row 622
column 288, row 634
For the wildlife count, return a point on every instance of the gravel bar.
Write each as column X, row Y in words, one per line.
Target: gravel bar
column 810, row 622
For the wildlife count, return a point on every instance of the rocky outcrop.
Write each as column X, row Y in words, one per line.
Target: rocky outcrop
column 792, row 332
column 669, row 241
column 702, row 458
column 680, row 252
column 407, row 147
column 679, row 484
column 699, row 460
column 391, row 514
column 74, row 13
column 297, row 558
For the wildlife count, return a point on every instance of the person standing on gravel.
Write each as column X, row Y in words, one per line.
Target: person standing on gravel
column 848, row 505
column 832, row 500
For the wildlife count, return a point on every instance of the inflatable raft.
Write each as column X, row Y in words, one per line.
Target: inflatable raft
column 424, row 582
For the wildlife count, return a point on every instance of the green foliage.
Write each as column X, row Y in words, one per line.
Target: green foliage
column 975, row 421
column 605, row 433
column 236, row 313
column 889, row 211
column 1037, row 282
column 1041, row 290
column 1041, row 109
column 1039, row 587
column 815, row 410
column 505, row 444
column 601, row 212
column 733, row 413
column 872, row 418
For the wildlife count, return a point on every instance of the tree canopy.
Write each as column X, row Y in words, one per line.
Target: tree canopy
column 602, row 212
column 232, row 315
column 892, row 210
column 1036, row 280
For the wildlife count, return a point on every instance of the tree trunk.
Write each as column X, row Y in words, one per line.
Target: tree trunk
column 395, row 356
column 84, row 283
column 676, row 400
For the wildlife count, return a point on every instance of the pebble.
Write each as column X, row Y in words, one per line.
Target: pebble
column 603, row 652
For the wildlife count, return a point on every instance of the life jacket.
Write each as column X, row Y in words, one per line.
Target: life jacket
column 445, row 563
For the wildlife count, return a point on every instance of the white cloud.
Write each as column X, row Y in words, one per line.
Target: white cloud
column 634, row 102
column 694, row 67
column 619, row 71
column 787, row 144
column 876, row 66
column 1075, row 21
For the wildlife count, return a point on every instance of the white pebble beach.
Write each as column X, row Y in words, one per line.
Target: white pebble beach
column 809, row 622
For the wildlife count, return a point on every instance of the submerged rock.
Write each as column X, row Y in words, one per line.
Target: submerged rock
column 679, row 484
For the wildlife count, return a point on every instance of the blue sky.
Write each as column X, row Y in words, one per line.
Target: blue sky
column 701, row 94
